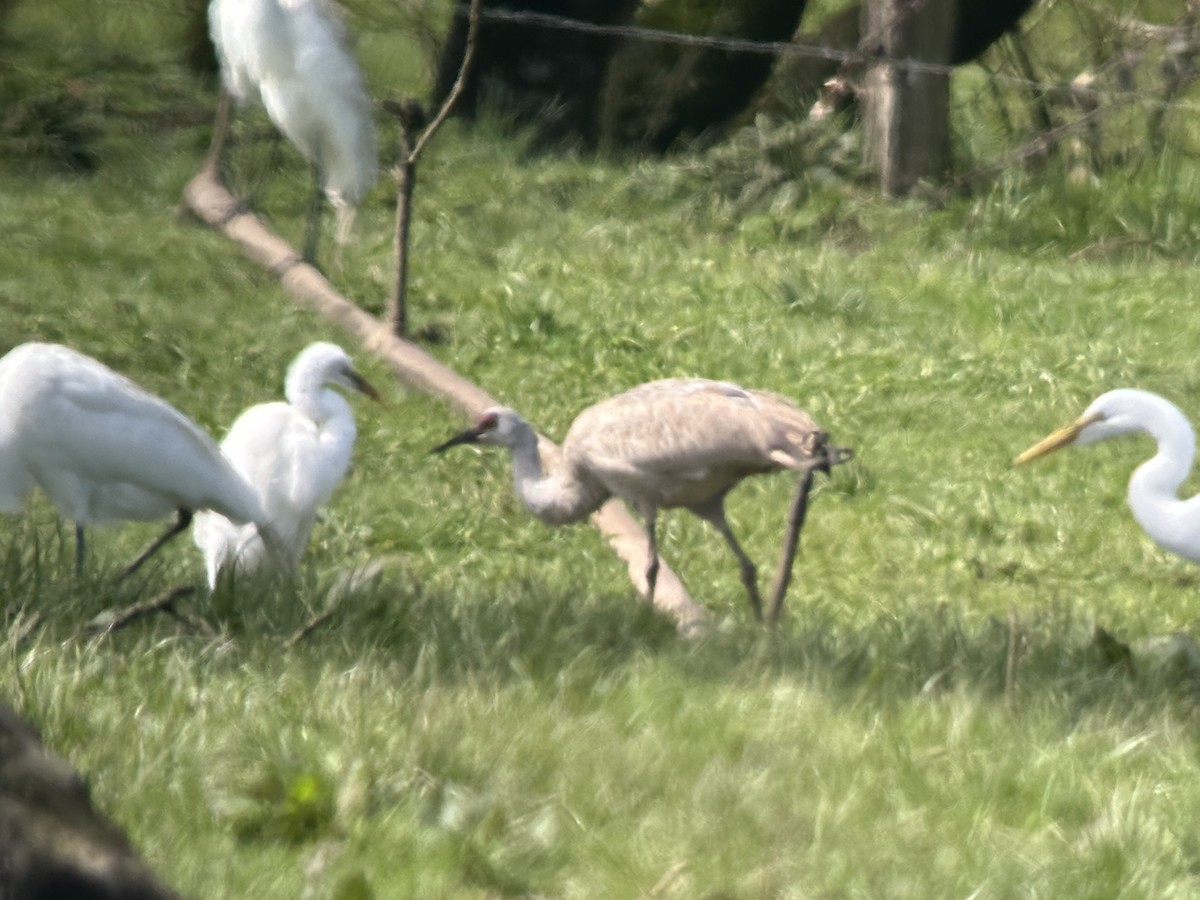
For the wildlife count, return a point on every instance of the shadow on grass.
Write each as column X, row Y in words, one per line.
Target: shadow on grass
column 525, row 632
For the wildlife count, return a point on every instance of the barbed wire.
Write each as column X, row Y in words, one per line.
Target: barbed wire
column 814, row 51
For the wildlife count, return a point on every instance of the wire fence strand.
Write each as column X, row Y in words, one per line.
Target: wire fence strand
column 846, row 57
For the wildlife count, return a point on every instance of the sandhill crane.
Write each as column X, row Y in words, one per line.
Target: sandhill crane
column 1172, row 523
column 294, row 56
column 104, row 449
column 676, row 442
column 292, row 454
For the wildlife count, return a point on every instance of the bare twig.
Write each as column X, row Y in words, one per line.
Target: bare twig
column 163, row 603
column 1038, row 146
column 460, row 82
column 834, row 456
column 308, row 628
column 411, row 118
column 795, row 522
column 211, row 200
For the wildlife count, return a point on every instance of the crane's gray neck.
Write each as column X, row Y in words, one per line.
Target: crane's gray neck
column 1154, row 487
column 558, row 498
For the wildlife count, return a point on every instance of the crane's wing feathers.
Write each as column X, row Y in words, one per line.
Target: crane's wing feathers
column 686, row 440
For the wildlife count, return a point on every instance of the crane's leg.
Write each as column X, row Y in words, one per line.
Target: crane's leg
column 183, row 518
column 715, row 514
column 78, row 549
column 651, row 554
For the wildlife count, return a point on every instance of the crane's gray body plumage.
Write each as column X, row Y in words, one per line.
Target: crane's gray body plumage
column 671, row 443
column 687, row 442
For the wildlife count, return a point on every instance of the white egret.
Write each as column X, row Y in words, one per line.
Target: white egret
column 295, row 57
column 104, row 449
column 1171, row 522
column 293, row 455
column 671, row 443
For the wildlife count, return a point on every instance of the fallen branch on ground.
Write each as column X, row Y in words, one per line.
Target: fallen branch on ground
column 211, row 200
column 162, row 603
column 308, row 628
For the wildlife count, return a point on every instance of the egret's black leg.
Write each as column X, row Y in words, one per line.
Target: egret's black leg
column 220, row 131
column 312, row 233
column 78, row 549
column 183, row 518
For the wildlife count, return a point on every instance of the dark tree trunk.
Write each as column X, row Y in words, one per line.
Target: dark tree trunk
column 546, row 75
column 658, row 93
column 980, row 23
column 799, row 78
column 643, row 95
column 199, row 55
column 53, row 843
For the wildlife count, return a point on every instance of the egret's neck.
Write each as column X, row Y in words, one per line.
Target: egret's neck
column 325, row 406
column 1154, row 488
column 557, row 498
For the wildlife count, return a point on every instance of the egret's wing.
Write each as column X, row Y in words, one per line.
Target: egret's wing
column 220, row 541
column 80, row 417
column 252, row 42
column 321, row 103
column 16, row 481
column 335, row 85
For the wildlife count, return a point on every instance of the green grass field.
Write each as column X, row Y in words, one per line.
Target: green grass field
column 490, row 712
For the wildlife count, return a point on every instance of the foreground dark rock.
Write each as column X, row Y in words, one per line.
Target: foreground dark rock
column 54, row 845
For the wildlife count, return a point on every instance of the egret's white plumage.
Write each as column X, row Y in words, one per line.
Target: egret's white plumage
column 292, row 454
column 1153, row 490
column 671, row 443
column 104, row 449
column 294, row 56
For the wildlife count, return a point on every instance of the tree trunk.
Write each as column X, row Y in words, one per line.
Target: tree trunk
column 907, row 105
column 543, row 74
column 53, row 842
column 658, row 93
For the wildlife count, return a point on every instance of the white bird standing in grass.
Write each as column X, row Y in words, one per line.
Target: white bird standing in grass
column 294, row 55
column 293, row 455
column 1172, row 523
column 676, row 442
column 103, row 449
